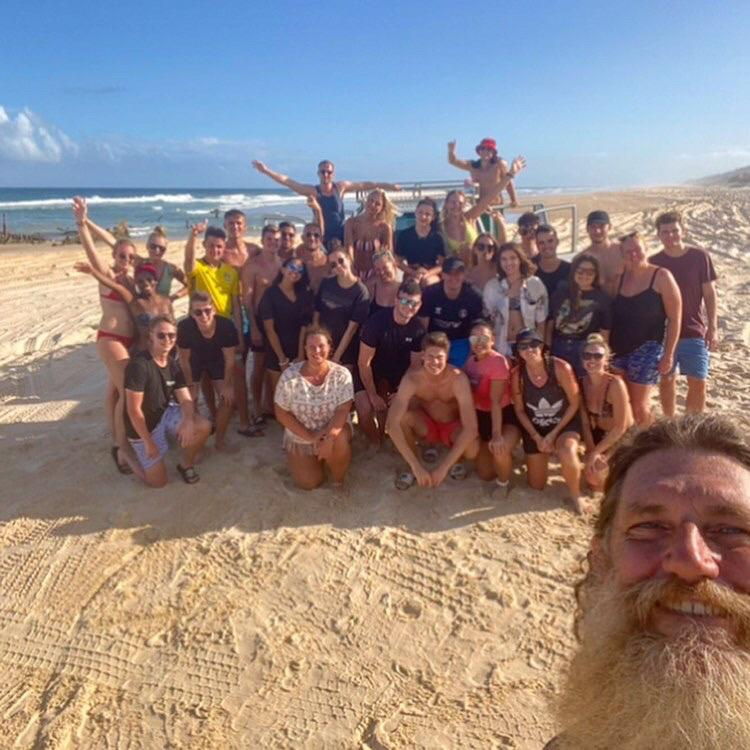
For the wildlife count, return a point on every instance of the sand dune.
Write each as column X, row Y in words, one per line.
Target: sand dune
column 241, row 613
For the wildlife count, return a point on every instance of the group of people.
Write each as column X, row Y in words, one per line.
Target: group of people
column 442, row 335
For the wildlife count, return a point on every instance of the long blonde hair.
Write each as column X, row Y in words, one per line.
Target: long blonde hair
column 389, row 212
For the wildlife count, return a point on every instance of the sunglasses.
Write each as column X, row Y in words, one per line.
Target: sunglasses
column 202, row 312
column 592, row 356
column 526, row 345
column 526, row 230
column 313, row 235
column 326, row 171
column 166, row 336
column 337, row 262
column 158, row 248
column 413, row 303
column 479, row 338
column 485, row 246
column 295, row 267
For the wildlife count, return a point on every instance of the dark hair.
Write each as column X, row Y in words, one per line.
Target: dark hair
column 437, row 339
column 312, row 224
column 232, row 213
column 426, row 201
column 573, row 288
column 201, row 297
column 528, row 219
column 527, row 267
column 668, row 217
column 545, row 229
column 325, row 161
column 303, row 284
column 217, row 232
column 159, row 319
column 410, row 287
column 269, row 229
column 474, row 250
column 287, row 225
column 476, row 163
column 318, row 331
column 480, row 322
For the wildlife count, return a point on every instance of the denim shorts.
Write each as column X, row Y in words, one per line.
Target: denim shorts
column 570, row 350
column 691, row 358
column 165, row 430
column 641, row 366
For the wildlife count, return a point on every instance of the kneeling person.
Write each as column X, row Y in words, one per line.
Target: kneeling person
column 207, row 344
column 153, row 381
column 389, row 345
column 445, row 414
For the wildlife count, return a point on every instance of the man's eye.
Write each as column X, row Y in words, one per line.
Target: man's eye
column 647, row 530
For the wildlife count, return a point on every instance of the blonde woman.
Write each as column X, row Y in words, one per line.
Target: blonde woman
column 370, row 231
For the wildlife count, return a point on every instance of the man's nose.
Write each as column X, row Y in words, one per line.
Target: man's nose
column 689, row 557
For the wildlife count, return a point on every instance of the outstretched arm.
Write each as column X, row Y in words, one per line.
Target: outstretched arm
column 105, row 279
column 345, row 185
column 282, row 179
column 459, row 163
column 487, row 200
column 195, row 232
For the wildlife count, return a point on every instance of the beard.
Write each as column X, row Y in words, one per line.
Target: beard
column 632, row 689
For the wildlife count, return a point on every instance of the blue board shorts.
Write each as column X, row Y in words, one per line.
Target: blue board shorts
column 459, row 352
column 691, row 358
column 162, row 433
column 641, row 366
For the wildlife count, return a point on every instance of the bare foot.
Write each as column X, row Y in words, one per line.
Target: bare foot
column 580, row 506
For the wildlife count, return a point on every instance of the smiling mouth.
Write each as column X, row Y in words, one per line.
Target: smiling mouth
column 693, row 608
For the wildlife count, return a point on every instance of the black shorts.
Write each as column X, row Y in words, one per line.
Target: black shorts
column 484, row 421
column 530, row 447
column 213, row 368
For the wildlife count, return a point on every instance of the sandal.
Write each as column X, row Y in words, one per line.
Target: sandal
column 188, row 474
column 258, row 421
column 458, row 472
column 122, row 468
column 404, row 480
column 251, row 431
column 430, row 455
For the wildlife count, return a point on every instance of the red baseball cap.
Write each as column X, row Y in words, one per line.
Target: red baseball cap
column 487, row 143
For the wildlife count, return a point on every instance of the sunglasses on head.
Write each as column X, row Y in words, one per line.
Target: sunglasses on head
column 158, row 248
column 295, row 267
column 200, row 312
column 593, row 356
column 413, row 303
column 479, row 338
column 526, row 345
column 166, row 336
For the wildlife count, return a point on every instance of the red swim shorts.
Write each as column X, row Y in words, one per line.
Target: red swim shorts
column 439, row 432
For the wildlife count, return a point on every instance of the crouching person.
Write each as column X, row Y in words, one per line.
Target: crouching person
column 158, row 406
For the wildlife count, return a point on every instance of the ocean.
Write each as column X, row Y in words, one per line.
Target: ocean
column 47, row 211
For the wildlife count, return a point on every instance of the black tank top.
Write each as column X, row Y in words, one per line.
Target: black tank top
column 544, row 405
column 637, row 319
column 375, row 306
column 332, row 207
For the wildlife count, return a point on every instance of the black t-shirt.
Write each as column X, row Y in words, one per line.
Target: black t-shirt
column 202, row 350
column 551, row 280
column 594, row 313
column 393, row 344
column 157, row 384
column 337, row 306
column 288, row 317
column 419, row 251
column 454, row 317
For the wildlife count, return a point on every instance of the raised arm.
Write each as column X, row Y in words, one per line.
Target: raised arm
column 195, row 231
column 452, row 159
column 317, row 212
column 487, row 200
column 105, row 279
column 282, row 179
column 79, row 211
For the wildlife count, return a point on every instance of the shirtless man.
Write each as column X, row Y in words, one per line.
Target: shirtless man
column 311, row 253
column 445, row 414
column 604, row 250
column 486, row 171
column 528, row 223
column 256, row 275
column 329, row 194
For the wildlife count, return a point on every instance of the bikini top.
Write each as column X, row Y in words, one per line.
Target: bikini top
column 606, row 411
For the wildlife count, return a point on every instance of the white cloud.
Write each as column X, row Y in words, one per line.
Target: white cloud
column 26, row 137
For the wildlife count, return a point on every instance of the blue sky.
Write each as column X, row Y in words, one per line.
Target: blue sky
column 144, row 94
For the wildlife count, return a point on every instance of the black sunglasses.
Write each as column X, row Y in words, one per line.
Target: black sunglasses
column 593, row 355
column 202, row 312
column 166, row 336
column 337, row 262
column 158, row 248
column 524, row 345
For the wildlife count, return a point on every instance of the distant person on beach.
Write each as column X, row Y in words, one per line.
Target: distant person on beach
column 207, row 344
column 604, row 250
column 484, row 267
column 256, row 276
column 605, row 410
column 489, row 374
column 312, row 253
column 433, row 406
column 116, row 332
column 313, row 399
column 384, row 281
column 663, row 620
column 487, row 170
column 328, row 193
column 286, row 311
column 450, row 307
column 552, row 270
column 390, row 343
column 145, row 303
column 420, row 249
column 370, row 231
column 159, row 408
column 578, row 308
column 646, row 315
column 694, row 273
column 527, row 224
column 515, row 299
column 546, row 401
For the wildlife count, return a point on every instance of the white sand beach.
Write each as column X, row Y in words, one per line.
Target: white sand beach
column 243, row 613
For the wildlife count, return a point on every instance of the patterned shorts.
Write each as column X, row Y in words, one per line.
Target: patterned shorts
column 641, row 366
column 166, row 429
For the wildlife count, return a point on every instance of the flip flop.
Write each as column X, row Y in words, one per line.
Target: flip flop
column 458, row 472
column 188, row 474
column 404, row 480
column 258, row 421
column 251, row 431
column 122, row 468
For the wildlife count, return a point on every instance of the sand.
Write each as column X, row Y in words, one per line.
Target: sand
column 242, row 613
